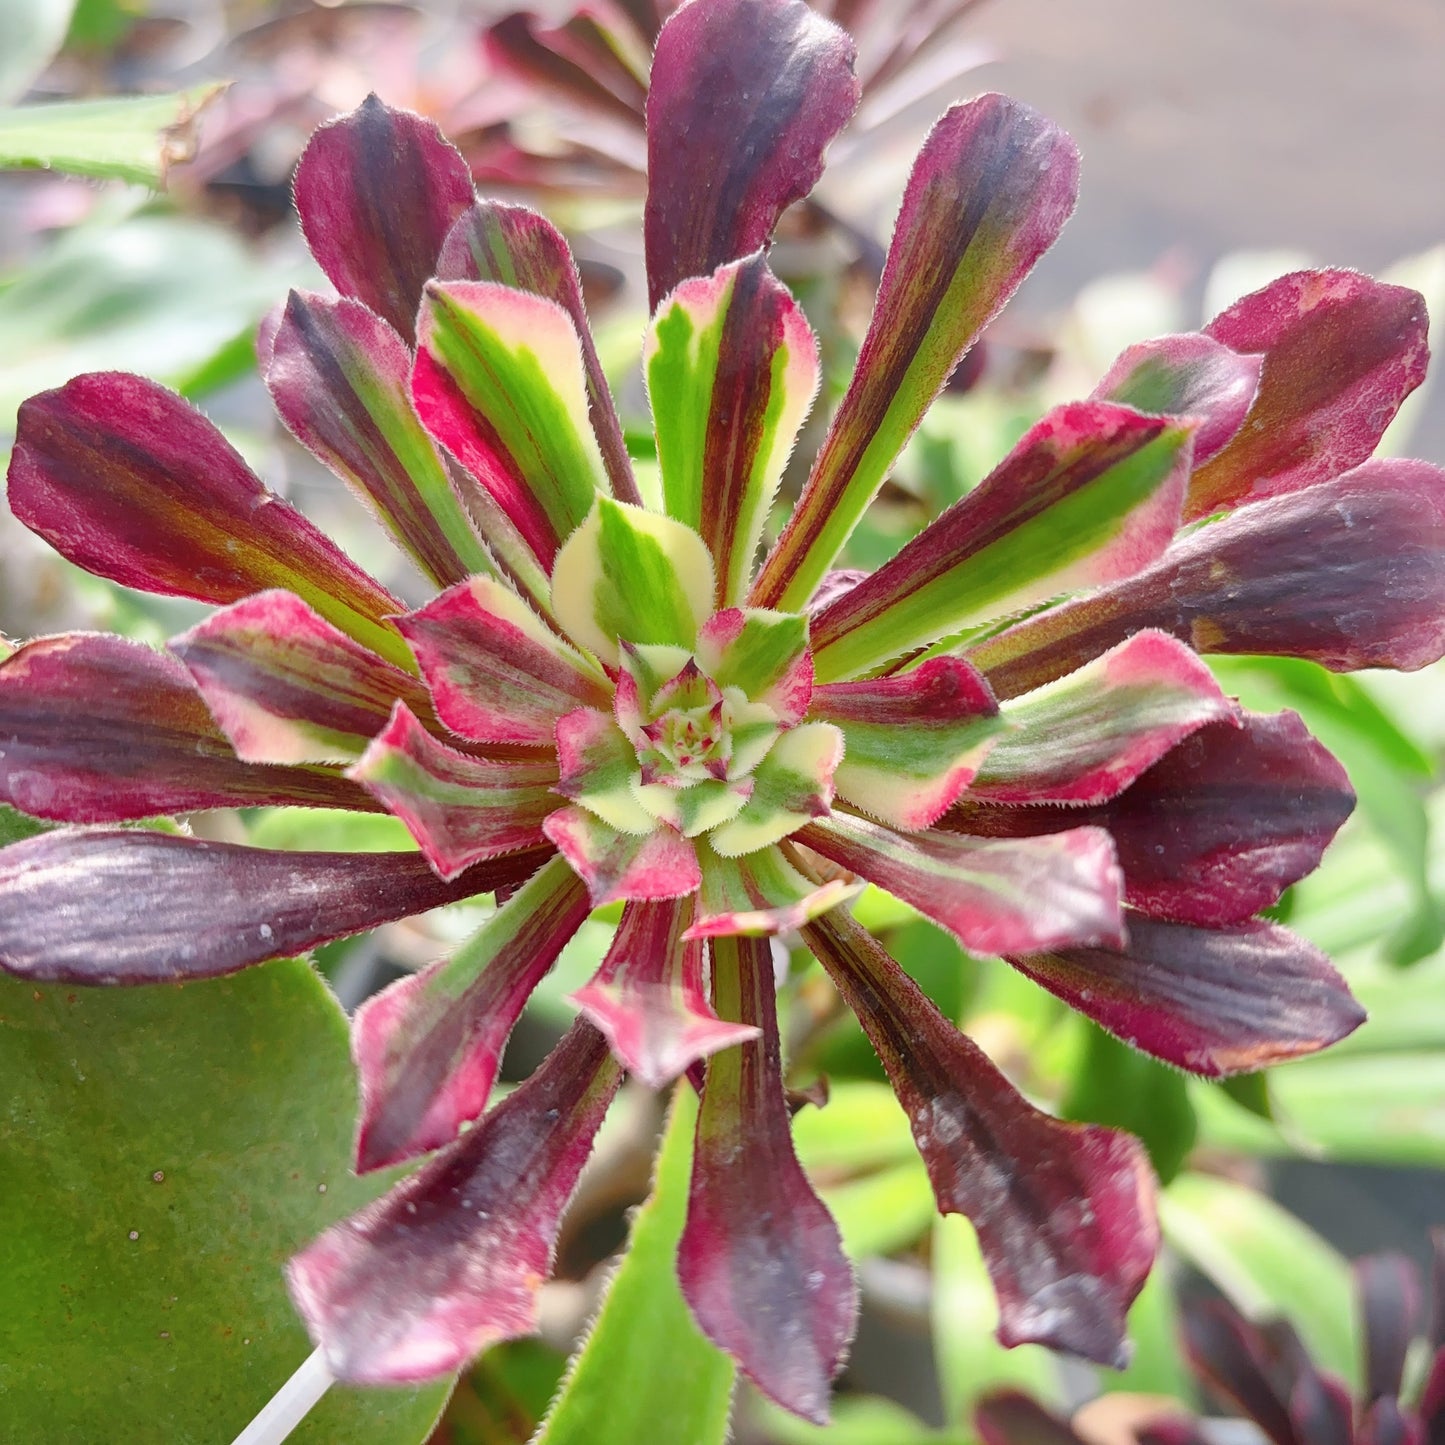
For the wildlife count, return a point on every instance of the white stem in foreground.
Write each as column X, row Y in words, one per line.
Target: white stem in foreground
column 290, row 1405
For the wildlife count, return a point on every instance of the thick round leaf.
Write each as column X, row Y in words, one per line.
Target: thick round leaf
column 177, row 1144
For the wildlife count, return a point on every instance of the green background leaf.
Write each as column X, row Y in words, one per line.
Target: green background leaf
column 646, row 1372
column 127, row 138
column 172, row 1145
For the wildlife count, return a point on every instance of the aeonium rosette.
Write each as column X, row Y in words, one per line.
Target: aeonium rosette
column 610, row 701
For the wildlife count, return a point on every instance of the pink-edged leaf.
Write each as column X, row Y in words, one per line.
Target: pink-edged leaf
column 1064, row 1212
column 131, row 482
column 1010, row 1417
column 1214, row 1001
column 764, row 653
column 459, row 808
column 1086, row 737
column 1387, row 1287
column 913, row 742
column 140, row 907
column 599, row 767
column 988, row 893
column 1341, row 352
column 989, row 193
column 1321, row 1409
column 427, row 1049
column 1171, row 1430
column 732, row 368
column 649, row 999
column 1432, row 1399
column 515, row 246
column 760, row 1261
column 452, row 1259
column 1217, row 829
column 377, row 190
column 286, row 686
column 497, row 673
column 1089, row 495
column 791, row 786
column 98, row 729
column 1350, row 573
column 340, row 377
column 745, row 96
column 499, row 382
column 649, row 868
column 1191, row 375
column 761, row 893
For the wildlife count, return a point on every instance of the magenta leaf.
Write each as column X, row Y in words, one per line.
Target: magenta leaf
column 760, row 1261
column 517, row 247
column 1086, row 737
column 141, row 907
column 1064, row 1212
column 288, row 687
column 1009, row 1417
column 377, row 190
column 459, row 808
column 1192, row 375
column 746, row 93
column 1224, row 823
column 98, row 729
column 1350, row 573
column 132, row 483
column 340, row 377
column 650, row 867
column 427, row 1049
column 497, row 673
column 990, row 894
column 649, row 999
column 1214, row 831
column 1090, row 495
column 1214, row 1001
column 989, row 193
column 451, row 1260
column 1341, row 352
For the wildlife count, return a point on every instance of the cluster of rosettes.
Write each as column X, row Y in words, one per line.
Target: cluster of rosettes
column 610, row 701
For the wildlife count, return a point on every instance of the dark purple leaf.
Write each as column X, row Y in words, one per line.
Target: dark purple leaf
column 1386, row 1423
column 1349, row 573
column 745, row 96
column 1064, row 1212
column 452, row 1259
column 1011, row 1418
column 140, row 907
column 377, row 190
column 1214, row 1001
column 1390, row 1308
column 98, row 729
column 1252, row 1367
column 1341, row 352
column 574, row 62
column 131, row 482
column 760, row 1261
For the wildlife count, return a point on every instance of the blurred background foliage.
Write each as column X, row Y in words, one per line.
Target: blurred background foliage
column 1269, row 1180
